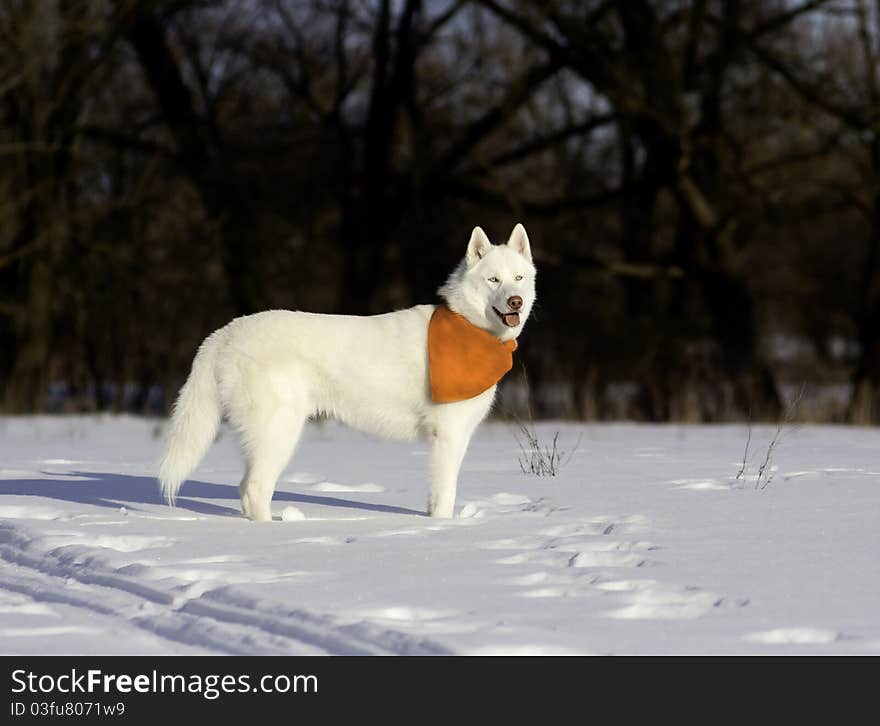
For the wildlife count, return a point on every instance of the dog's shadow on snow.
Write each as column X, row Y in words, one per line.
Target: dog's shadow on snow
column 106, row 489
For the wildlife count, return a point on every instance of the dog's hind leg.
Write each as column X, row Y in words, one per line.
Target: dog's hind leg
column 267, row 447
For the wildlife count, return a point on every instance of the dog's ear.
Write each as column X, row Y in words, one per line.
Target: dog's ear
column 519, row 241
column 478, row 246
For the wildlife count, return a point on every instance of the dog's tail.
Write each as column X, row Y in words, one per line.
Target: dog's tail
column 194, row 421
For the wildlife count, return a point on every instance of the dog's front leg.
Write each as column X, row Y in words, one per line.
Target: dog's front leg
column 447, row 453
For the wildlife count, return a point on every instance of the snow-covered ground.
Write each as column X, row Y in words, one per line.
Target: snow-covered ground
column 644, row 543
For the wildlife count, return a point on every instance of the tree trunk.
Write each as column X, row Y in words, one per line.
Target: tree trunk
column 44, row 109
column 367, row 218
column 864, row 407
column 202, row 160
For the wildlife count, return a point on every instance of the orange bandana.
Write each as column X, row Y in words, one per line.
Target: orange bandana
column 463, row 360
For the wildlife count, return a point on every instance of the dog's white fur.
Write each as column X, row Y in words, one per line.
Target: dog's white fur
column 269, row 372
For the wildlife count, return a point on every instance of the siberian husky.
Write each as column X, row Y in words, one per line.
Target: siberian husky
column 268, row 373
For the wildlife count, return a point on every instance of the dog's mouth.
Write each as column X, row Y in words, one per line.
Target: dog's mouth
column 511, row 320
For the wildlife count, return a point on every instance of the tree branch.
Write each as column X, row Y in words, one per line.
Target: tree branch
column 120, row 140
column 780, row 21
column 518, row 91
column 542, row 142
column 437, row 23
column 812, row 95
column 458, row 188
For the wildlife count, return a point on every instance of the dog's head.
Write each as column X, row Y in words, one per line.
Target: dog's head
column 494, row 286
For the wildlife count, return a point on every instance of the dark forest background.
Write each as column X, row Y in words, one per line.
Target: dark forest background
column 700, row 181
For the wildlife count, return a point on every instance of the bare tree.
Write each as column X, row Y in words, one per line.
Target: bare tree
column 49, row 58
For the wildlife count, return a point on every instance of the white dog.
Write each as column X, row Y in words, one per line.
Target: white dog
column 268, row 373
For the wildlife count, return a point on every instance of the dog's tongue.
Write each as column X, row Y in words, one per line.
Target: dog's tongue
column 511, row 320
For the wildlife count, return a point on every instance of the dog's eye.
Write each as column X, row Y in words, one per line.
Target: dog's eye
column 518, row 278
column 494, row 279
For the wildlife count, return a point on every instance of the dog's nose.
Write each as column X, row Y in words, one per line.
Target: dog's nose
column 514, row 302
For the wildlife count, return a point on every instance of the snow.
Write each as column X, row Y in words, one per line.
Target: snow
column 646, row 542
column 292, row 514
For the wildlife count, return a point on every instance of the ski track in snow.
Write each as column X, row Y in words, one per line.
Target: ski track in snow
column 195, row 606
column 352, row 568
column 219, row 620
